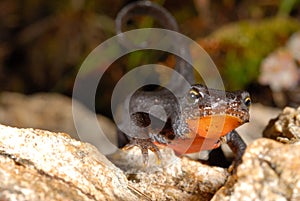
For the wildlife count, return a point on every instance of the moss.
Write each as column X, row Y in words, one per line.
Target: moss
column 245, row 44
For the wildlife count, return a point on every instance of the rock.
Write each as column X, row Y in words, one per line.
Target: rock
column 42, row 165
column 173, row 179
column 286, row 127
column 17, row 184
column 269, row 171
column 53, row 112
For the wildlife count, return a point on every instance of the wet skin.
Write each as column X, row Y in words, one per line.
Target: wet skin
column 200, row 119
column 195, row 122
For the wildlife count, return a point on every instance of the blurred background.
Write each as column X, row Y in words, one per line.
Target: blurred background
column 43, row 43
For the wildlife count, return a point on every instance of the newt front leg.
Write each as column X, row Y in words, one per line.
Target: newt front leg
column 144, row 145
column 238, row 147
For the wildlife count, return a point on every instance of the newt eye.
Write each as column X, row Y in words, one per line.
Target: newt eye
column 247, row 101
column 194, row 94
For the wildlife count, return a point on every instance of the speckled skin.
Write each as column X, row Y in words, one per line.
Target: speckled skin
column 164, row 127
column 173, row 120
column 159, row 116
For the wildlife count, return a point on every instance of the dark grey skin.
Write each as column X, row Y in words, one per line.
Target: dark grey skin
column 167, row 121
column 170, row 125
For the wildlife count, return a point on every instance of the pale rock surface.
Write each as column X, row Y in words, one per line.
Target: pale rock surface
column 21, row 181
column 269, row 171
column 41, row 165
column 173, row 179
column 286, row 127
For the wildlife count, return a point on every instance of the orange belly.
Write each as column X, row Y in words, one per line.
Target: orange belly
column 205, row 133
column 193, row 145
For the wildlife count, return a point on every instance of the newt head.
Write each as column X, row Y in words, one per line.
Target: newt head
column 207, row 115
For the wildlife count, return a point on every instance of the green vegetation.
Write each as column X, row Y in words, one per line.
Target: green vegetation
column 245, row 44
